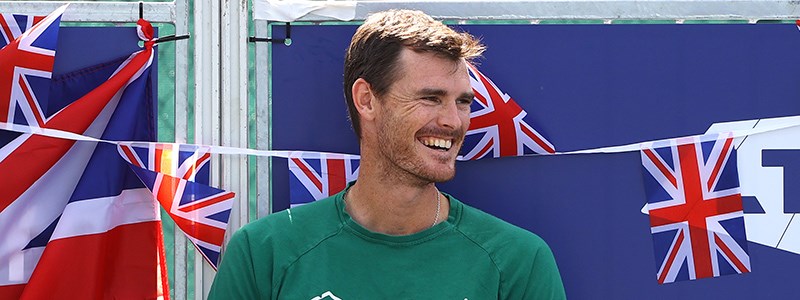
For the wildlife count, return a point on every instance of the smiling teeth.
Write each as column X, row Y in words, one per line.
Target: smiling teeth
column 440, row 143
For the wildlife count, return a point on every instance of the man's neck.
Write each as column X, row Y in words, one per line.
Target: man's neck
column 395, row 207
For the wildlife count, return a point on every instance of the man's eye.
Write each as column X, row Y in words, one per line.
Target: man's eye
column 465, row 101
column 431, row 99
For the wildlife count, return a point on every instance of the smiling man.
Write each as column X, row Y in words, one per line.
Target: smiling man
column 392, row 234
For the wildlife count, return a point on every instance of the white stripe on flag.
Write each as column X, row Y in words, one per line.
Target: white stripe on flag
column 103, row 214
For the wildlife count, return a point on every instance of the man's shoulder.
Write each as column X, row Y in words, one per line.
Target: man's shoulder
column 524, row 261
column 258, row 253
column 495, row 234
column 297, row 225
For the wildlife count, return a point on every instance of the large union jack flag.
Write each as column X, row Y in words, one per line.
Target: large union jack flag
column 316, row 176
column 70, row 216
column 695, row 208
column 497, row 124
column 177, row 175
column 26, row 65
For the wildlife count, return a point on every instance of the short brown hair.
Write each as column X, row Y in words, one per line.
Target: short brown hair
column 376, row 45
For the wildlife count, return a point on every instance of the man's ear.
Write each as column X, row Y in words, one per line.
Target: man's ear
column 364, row 99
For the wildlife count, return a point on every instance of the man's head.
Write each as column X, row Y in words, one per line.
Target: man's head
column 408, row 94
column 375, row 49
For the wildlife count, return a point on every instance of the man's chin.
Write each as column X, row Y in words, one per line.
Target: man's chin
column 445, row 178
column 441, row 173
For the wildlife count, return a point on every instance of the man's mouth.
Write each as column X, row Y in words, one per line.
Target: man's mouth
column 437, row 143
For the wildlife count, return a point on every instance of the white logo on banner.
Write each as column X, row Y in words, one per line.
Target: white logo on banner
column 763, row 160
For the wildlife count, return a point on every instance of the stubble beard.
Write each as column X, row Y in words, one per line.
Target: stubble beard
column 404, row 163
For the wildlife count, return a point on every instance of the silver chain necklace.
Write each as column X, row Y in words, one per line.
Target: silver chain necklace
column 438, row 207
column 438, row 204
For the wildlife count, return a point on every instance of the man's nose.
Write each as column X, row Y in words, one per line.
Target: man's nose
column 449, row 115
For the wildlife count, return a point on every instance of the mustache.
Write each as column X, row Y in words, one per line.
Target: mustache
column 455, row 134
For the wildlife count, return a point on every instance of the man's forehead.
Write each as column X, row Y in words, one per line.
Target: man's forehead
column 409, row 57
column 425, row 68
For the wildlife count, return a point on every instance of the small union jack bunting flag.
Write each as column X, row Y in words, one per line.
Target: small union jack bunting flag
column 497, row 124
column 183, row 161
column 170, row 172
column 695, row 208
column 315, row 176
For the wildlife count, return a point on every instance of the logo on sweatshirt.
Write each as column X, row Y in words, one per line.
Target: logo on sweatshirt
column 326, row 295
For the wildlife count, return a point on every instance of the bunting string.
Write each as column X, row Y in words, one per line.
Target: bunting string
column 784, row 123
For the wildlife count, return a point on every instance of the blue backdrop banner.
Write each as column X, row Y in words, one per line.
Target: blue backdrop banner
column 590, row 86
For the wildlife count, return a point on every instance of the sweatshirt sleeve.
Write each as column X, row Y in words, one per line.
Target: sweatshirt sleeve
column 236, row 277
column 535, row 278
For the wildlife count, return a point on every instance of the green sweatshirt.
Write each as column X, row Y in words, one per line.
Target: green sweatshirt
column 317, row 251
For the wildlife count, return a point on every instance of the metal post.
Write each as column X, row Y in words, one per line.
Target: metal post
column 234, row 109
column 263, row 132
column 181, row 136
column 207, row 105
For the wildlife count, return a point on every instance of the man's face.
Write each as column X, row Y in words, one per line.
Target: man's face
column 422, row 118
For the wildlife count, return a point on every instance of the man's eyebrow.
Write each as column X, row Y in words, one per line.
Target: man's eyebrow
column 432, row 92
column 441, row 92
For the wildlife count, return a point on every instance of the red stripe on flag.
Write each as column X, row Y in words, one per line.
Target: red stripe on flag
column 157, row 161
column 538, row 140
column 661, row 167
column 480, row 98
column 693, row 193
column 722, row 246
column 718, row 167
column 478, row 95
column 337, row 178
column 131, row 157
column 671, row 259
column 205, row 203
column 200, row 161
column 8, row 34
column 309, row 174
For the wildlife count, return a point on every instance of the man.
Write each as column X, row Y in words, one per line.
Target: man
column 392, row 234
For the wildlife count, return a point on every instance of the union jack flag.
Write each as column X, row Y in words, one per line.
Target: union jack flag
column 497, row 124
column 316, row 176
column 695, row 208
column 70, row 217
column 183, row 161
column 26, row 65
column 177, row 175
column 13, row 25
